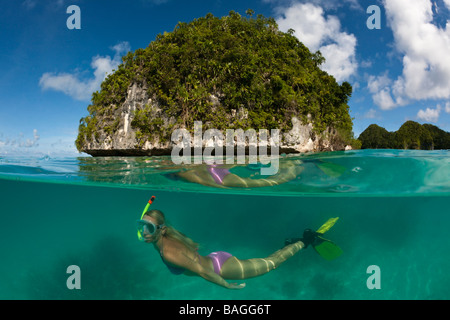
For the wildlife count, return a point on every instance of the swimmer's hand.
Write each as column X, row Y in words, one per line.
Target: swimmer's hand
column 236, row 285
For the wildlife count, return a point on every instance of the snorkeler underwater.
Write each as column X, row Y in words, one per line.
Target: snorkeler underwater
column 224, row 151
column 179, row 253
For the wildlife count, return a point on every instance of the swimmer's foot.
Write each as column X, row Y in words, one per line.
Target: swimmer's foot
column 309, row 237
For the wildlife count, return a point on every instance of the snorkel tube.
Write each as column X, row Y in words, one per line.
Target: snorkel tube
column 140, row 237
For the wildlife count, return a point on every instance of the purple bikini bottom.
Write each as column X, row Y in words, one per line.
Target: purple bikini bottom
column 218, row 174
column 218, row 259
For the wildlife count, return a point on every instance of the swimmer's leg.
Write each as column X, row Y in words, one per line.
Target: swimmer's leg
column 236, row 269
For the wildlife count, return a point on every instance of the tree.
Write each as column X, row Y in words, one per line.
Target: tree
column 243, row 61
column 441, row 138
column 376, row 137
column 411, row 135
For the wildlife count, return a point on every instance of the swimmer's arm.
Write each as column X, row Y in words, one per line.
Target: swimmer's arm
column 187, row 263
column 215, row 278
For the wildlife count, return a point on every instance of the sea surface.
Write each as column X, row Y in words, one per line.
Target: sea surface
column 393, row 209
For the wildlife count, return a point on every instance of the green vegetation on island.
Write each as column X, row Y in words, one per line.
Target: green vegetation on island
column 211, row 67
column 411, row 135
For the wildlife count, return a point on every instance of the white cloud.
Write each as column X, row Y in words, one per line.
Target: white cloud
column 378, row 83
column 447, row 105
column 366, row 64
column 447, row 3
column 424, row 47
column 380, row 87
column 31, row 142
column 29, row 4
column 70, row 84
column 154, row 2
column 19, row 141
column 320, row 32
column 384, row 100
column 429, row 115
column 371, row 114
column 35, row 145
column 326, row 4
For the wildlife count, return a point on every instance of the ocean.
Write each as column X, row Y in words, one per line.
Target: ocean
column 393, row 227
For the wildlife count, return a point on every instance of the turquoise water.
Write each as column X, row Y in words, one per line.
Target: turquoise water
column 393, row 207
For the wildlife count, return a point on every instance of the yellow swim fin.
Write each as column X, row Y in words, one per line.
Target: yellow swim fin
column 327, row 225
column 326, row 248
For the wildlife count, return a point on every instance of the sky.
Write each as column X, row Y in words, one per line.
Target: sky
column 53, row 56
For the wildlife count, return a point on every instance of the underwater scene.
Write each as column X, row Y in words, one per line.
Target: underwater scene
column 393, row 227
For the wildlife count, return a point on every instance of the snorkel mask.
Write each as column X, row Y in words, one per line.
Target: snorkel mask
column 145, row 226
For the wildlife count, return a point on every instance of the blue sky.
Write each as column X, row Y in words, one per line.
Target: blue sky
column 48, row 72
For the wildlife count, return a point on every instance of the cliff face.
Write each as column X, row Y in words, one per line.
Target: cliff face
column 125, row 140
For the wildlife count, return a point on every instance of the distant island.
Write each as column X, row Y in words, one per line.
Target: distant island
column 411, row 135
column 233, row 72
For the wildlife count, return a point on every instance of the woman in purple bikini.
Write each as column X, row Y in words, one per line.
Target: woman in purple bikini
column 180, row 254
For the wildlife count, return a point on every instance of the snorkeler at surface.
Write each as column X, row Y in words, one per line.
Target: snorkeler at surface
column 181, row 256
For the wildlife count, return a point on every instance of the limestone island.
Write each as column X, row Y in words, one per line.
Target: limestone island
column 234, row 72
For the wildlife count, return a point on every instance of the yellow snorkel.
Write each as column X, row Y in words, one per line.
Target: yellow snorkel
column 140, row 237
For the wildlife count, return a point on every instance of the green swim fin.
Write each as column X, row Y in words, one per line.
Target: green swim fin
column 331, row 169
column 324, row 247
